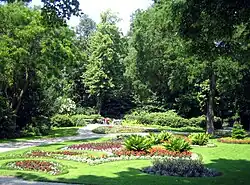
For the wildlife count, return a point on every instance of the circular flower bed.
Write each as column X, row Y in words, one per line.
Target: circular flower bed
column 234, row 141
column 180, row 168
column 52, row 168
column 103, row 146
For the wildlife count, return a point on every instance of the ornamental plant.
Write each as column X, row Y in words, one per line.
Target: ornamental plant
column 165, row 136
column 199, row 138
column 177, row 144
column 180, row 167
column 137, row 143
column 153, row 138
column 238, row 132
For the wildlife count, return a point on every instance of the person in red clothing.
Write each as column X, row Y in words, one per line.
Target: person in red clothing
column 106, row 121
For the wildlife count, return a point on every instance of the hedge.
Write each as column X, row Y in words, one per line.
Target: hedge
column 169, row 118
column 65, row 120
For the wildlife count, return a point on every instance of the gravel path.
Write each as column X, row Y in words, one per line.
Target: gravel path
column 16, row 181
column 83, row 133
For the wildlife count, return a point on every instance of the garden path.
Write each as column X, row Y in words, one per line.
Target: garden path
column 15, row 181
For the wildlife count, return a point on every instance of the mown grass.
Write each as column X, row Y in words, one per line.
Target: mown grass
column 230, row 159
column 55, row 132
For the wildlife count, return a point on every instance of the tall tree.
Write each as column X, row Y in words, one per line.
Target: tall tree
column 105, row 68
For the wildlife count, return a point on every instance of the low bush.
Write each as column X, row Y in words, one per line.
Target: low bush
column 238, row 132
column 65, row 120
column 82, row 120
column 177, row 144
column 169, row 118
column 199, row 138
column 62, row 120
column 117, row 129
column 137, row 143
column 180, row 168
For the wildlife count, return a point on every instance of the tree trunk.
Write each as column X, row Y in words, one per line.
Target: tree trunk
column 99, row 104
column 210, row 105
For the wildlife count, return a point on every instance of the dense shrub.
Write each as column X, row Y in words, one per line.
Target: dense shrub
column 39, row 126
column 180, row 167
column 82, row 120
column 169, row 118
column 137, row 143
column 199, row 138
column 238, row 132
column 177, row 144
column 7, row 123
column 63, row 120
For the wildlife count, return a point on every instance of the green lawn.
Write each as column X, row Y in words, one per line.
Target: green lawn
column 232, row 160
column 55, row 132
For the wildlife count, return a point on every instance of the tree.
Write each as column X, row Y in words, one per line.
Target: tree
column 30, row 55
column 214, row 30
column 178, row 44
column 104, row 71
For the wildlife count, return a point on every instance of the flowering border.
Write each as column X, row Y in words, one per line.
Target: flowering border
column 230, row 140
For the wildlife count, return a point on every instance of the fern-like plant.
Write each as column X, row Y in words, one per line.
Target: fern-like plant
column 199, row 138
column 177, row 144
column 165, row 136
column 137, row 143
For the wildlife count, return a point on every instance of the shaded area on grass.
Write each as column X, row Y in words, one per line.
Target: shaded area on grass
column 234, row 172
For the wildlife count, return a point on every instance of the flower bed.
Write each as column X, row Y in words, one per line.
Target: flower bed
column 156, row 151
column 108, row 146
column 52, row 168
column 234, row 141
column 100, row 160
column 48, row 153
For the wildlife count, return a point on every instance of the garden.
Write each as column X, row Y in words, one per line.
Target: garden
column 157, row 158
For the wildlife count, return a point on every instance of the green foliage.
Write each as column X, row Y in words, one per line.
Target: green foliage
column 199, row 138
column 154, row 139
column 62, row 120
column 83, row 120
column 137, row 143
column 238, row 132
column 177, row 144
column 165, row 136
column 117, row 129
column 169, row 118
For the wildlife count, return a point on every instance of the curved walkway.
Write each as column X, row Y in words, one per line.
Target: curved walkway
column 83, row 133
